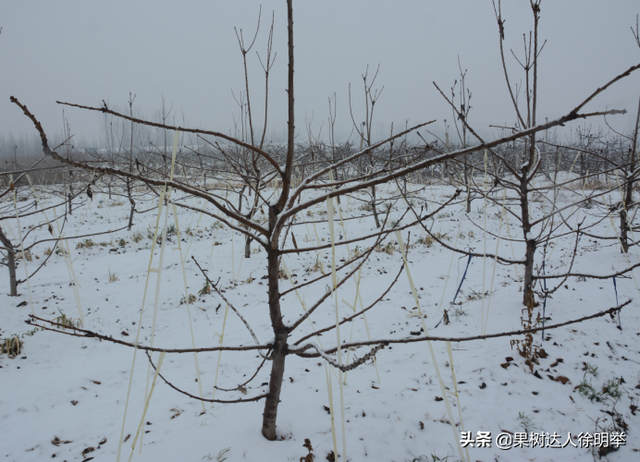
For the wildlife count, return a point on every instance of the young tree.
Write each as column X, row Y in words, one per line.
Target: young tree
column 364, row 130
column 630, row 173
column 287, row 202
column 17, row 244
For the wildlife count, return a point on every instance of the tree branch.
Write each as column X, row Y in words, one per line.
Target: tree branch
column 610, row 311
column 84, row 333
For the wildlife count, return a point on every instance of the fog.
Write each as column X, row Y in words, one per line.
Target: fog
column 187, row 54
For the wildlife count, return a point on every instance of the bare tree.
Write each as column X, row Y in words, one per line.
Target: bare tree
column 18, row 244
column 364, row 130
column 282, row 204
column 631, row 172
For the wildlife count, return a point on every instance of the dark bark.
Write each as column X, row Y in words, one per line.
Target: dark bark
column 373, row 206
column 467, row 182
column 628, row 198
column 528, row 295
column 247, row 247
column 240, row 196
column 133, row 209
column 626, row 201
column 128, row 180
column 529, row 256
column 335, row 175
column 254, row 209
column 11, row 263
column 281, row 335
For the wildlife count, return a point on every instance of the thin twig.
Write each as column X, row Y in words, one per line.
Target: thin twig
column 199, row 398
column 226, row 301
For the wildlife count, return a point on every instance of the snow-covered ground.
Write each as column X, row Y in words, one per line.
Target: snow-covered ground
column 65, row 398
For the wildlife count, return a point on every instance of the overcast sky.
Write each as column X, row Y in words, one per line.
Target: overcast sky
column 87, row 51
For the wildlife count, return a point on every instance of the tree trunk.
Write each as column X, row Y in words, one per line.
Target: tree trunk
column 11, row 264
column 281, row 333
column 335, row 174
column 624, row 229
column 130, row 196
column 467, row 182
column 280, row 347
column 240, row 197
column 275, row 386
column 529, row 256
column 373, row 206
column 528, row 295
column 247, row 247
column 626, row 201
column 133, row 209
column 628, row 198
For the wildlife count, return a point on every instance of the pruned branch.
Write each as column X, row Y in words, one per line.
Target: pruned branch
column 344, row 367
column 123, row 173
column 104, row 109
column 611, row 311
column 397, row 173
column 84, row 333
column 590, row 276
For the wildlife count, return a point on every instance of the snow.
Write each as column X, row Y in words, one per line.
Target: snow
column 75, row 389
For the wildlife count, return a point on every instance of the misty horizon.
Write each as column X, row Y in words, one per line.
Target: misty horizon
column 188, row 56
